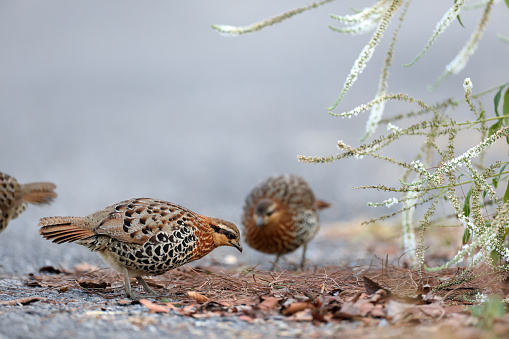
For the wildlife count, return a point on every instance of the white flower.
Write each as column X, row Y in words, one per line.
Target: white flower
column 394, row 128
column 467, row 86
column 375, row 117
column 481, row 297
column 391, row 202
column 462, row 159
column 388, row 203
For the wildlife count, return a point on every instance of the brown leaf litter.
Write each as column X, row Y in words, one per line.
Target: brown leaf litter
column 330, row 294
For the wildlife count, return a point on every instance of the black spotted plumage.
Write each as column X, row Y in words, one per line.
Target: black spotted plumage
column 143, row 236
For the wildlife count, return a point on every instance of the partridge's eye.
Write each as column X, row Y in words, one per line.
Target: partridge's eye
column 230, row 236
column 269, row 213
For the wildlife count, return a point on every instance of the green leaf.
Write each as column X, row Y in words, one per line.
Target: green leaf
column 505, row 107
column 497, row 178
column 466, row 236
column 494, row 182
column 495, row 127
column 458, row 16
column 466, row 205
column 495, row 256
column 496, row 99
column 507, row 3
column 506, row 195
column 481, row 116
column 459, row 20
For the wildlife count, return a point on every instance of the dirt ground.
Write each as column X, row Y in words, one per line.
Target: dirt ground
column 372, row 295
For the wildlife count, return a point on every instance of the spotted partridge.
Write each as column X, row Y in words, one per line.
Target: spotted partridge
column 14, row 197
column 143, row 236
column 280, row 215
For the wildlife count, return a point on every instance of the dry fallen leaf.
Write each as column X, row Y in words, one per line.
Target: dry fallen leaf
column 51, row 270
column 268, row 304
column 85, row 267
column 246, row 318
column 171, row 306
column 21, row 301
column 372, row 287
column 305, row 315
column 407, row 312
column 188, row 310
column 297, row 307
column 155, row 308
column 198, row 297
column 93, row 284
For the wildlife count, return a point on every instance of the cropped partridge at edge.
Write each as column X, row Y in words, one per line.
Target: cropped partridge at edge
column 143, row 236
column 280, row 215
column 14, row 197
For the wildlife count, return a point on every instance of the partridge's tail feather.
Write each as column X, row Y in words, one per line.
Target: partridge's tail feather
column 320, row 204
column 39, row 193
column 64, row 229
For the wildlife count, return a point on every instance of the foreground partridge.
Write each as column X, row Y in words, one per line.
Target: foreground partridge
column 14, row 197
column 280, row 215
column 143, row 236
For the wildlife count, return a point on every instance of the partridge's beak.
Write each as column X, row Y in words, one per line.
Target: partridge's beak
column 260, row 221
column 237, row 246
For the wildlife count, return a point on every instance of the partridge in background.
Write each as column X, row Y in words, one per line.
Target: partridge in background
column 143, row 236
column 280, row 215
column 14, row 197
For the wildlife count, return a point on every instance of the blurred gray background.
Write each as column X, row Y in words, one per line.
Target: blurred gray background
column 121, row 99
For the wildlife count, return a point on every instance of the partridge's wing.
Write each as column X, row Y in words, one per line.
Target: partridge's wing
column 138, row 220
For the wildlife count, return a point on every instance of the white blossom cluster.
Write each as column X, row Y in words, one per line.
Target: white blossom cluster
column 387, row 203
column 467, row 222
column 227, row 30
column 365, row 14
column 419, row 167
column 458, row 161
column 461, row 59
column 467, row 86
column 374, row 118
column 362, row 108
column 441, row 26
column 484, row 237
column 238, row 30
column 362, row 22
column 481, row 297
column 368, row 50
column 409, row 243
column 394, row 128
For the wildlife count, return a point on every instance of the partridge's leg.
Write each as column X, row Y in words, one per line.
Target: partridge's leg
column 303, row 259
column 128, row 290
column 150, row 291
column 275, row 262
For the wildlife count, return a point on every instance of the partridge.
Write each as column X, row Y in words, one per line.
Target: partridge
column 280, row 215
column 143, row 236
column 14, row 197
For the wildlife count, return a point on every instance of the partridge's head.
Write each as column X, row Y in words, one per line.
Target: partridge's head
column 225, row 233
column 267, row 212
